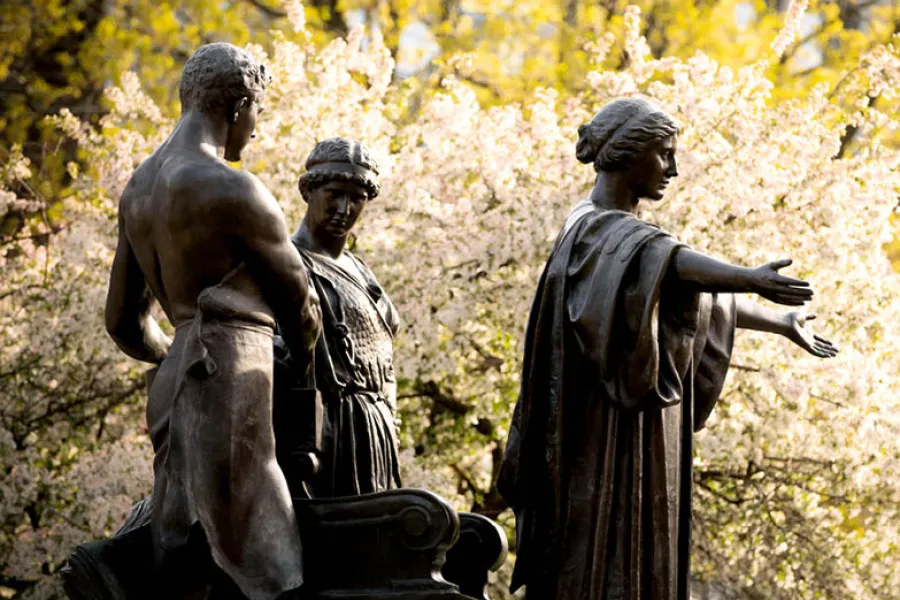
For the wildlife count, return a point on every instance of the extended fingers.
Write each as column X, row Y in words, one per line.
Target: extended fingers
column 791, row 281
column 824, row 348
column 825, row 352
column 780, row 264
column 793, row 295
column 787, row 300
column 825, row 345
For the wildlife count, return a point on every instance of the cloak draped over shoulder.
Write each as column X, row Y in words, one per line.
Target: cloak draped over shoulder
column 622, row 364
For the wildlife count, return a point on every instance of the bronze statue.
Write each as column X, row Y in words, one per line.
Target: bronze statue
column 354, row 356
column 210, row 243
column 627, row 347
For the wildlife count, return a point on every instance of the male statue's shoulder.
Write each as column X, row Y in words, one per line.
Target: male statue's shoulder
column 224, row 186
column 241, row 198
column 248, row 187
column 249, row 194
column 211, row 176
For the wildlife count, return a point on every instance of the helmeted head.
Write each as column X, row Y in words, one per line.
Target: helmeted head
column 634, row 137
column 341, row 176
column 226, row 83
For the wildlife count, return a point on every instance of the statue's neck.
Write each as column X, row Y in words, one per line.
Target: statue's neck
column 613, row 192
column 199, row 131
column 306, row 237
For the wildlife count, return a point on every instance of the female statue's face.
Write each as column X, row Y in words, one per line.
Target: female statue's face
column 334, row 208
column 652, row 171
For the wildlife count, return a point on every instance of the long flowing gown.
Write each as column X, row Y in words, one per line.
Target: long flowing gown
column 354, row 373
column 622, row 365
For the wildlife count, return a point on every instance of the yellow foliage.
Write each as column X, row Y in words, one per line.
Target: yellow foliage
column 63, row 53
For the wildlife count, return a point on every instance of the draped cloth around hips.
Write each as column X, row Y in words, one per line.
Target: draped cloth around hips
column 210, row 420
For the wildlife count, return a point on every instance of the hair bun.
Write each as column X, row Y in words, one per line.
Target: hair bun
column 620, row 131
column 588, row 145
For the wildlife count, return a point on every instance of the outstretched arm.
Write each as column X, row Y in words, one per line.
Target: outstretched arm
column 791, row 325
column 279, row 270
column 751, row 315
column 713, row 275
column 128, row 305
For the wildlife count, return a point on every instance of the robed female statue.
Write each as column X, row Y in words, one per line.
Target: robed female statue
column 626, row 351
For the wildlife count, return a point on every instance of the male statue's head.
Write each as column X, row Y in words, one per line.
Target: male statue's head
column 341, row 176
column 227, row 85
column 635, row 138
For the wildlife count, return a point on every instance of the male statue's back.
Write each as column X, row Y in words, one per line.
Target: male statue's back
column 211, row 245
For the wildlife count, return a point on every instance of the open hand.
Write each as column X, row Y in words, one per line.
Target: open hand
column 798, row 333
column 781, row 289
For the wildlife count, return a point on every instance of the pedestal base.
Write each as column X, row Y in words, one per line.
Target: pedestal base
column 387, row 546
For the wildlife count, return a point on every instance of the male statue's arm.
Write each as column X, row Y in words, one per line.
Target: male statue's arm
column 128, row 304
column 277, row 267
column 712, row 275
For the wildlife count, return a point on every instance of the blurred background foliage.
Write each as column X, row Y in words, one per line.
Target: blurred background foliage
column 64, row 53
column 57, row 54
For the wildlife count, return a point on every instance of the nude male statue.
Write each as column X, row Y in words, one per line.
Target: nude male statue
column 210, row 243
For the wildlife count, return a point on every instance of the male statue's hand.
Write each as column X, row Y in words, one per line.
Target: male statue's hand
column 798, row 333
column 781, row 289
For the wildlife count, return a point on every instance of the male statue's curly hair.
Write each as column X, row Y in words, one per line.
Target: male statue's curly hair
column 620, row 132
column 217, row 76
column 340, row 159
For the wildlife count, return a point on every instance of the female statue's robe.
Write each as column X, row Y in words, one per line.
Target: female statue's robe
column 354, row 373
column 622, row 364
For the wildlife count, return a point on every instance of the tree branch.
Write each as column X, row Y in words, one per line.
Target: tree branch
column 273, row 13
column 851, row 130
column 751, row 369
column 431, row 390
column 467, row 479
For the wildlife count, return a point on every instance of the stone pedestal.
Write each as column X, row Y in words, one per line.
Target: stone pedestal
column 480, row 549
column 390, row 545
column 387, row 546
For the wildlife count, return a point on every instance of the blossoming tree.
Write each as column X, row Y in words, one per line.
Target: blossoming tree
column 797, row 473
